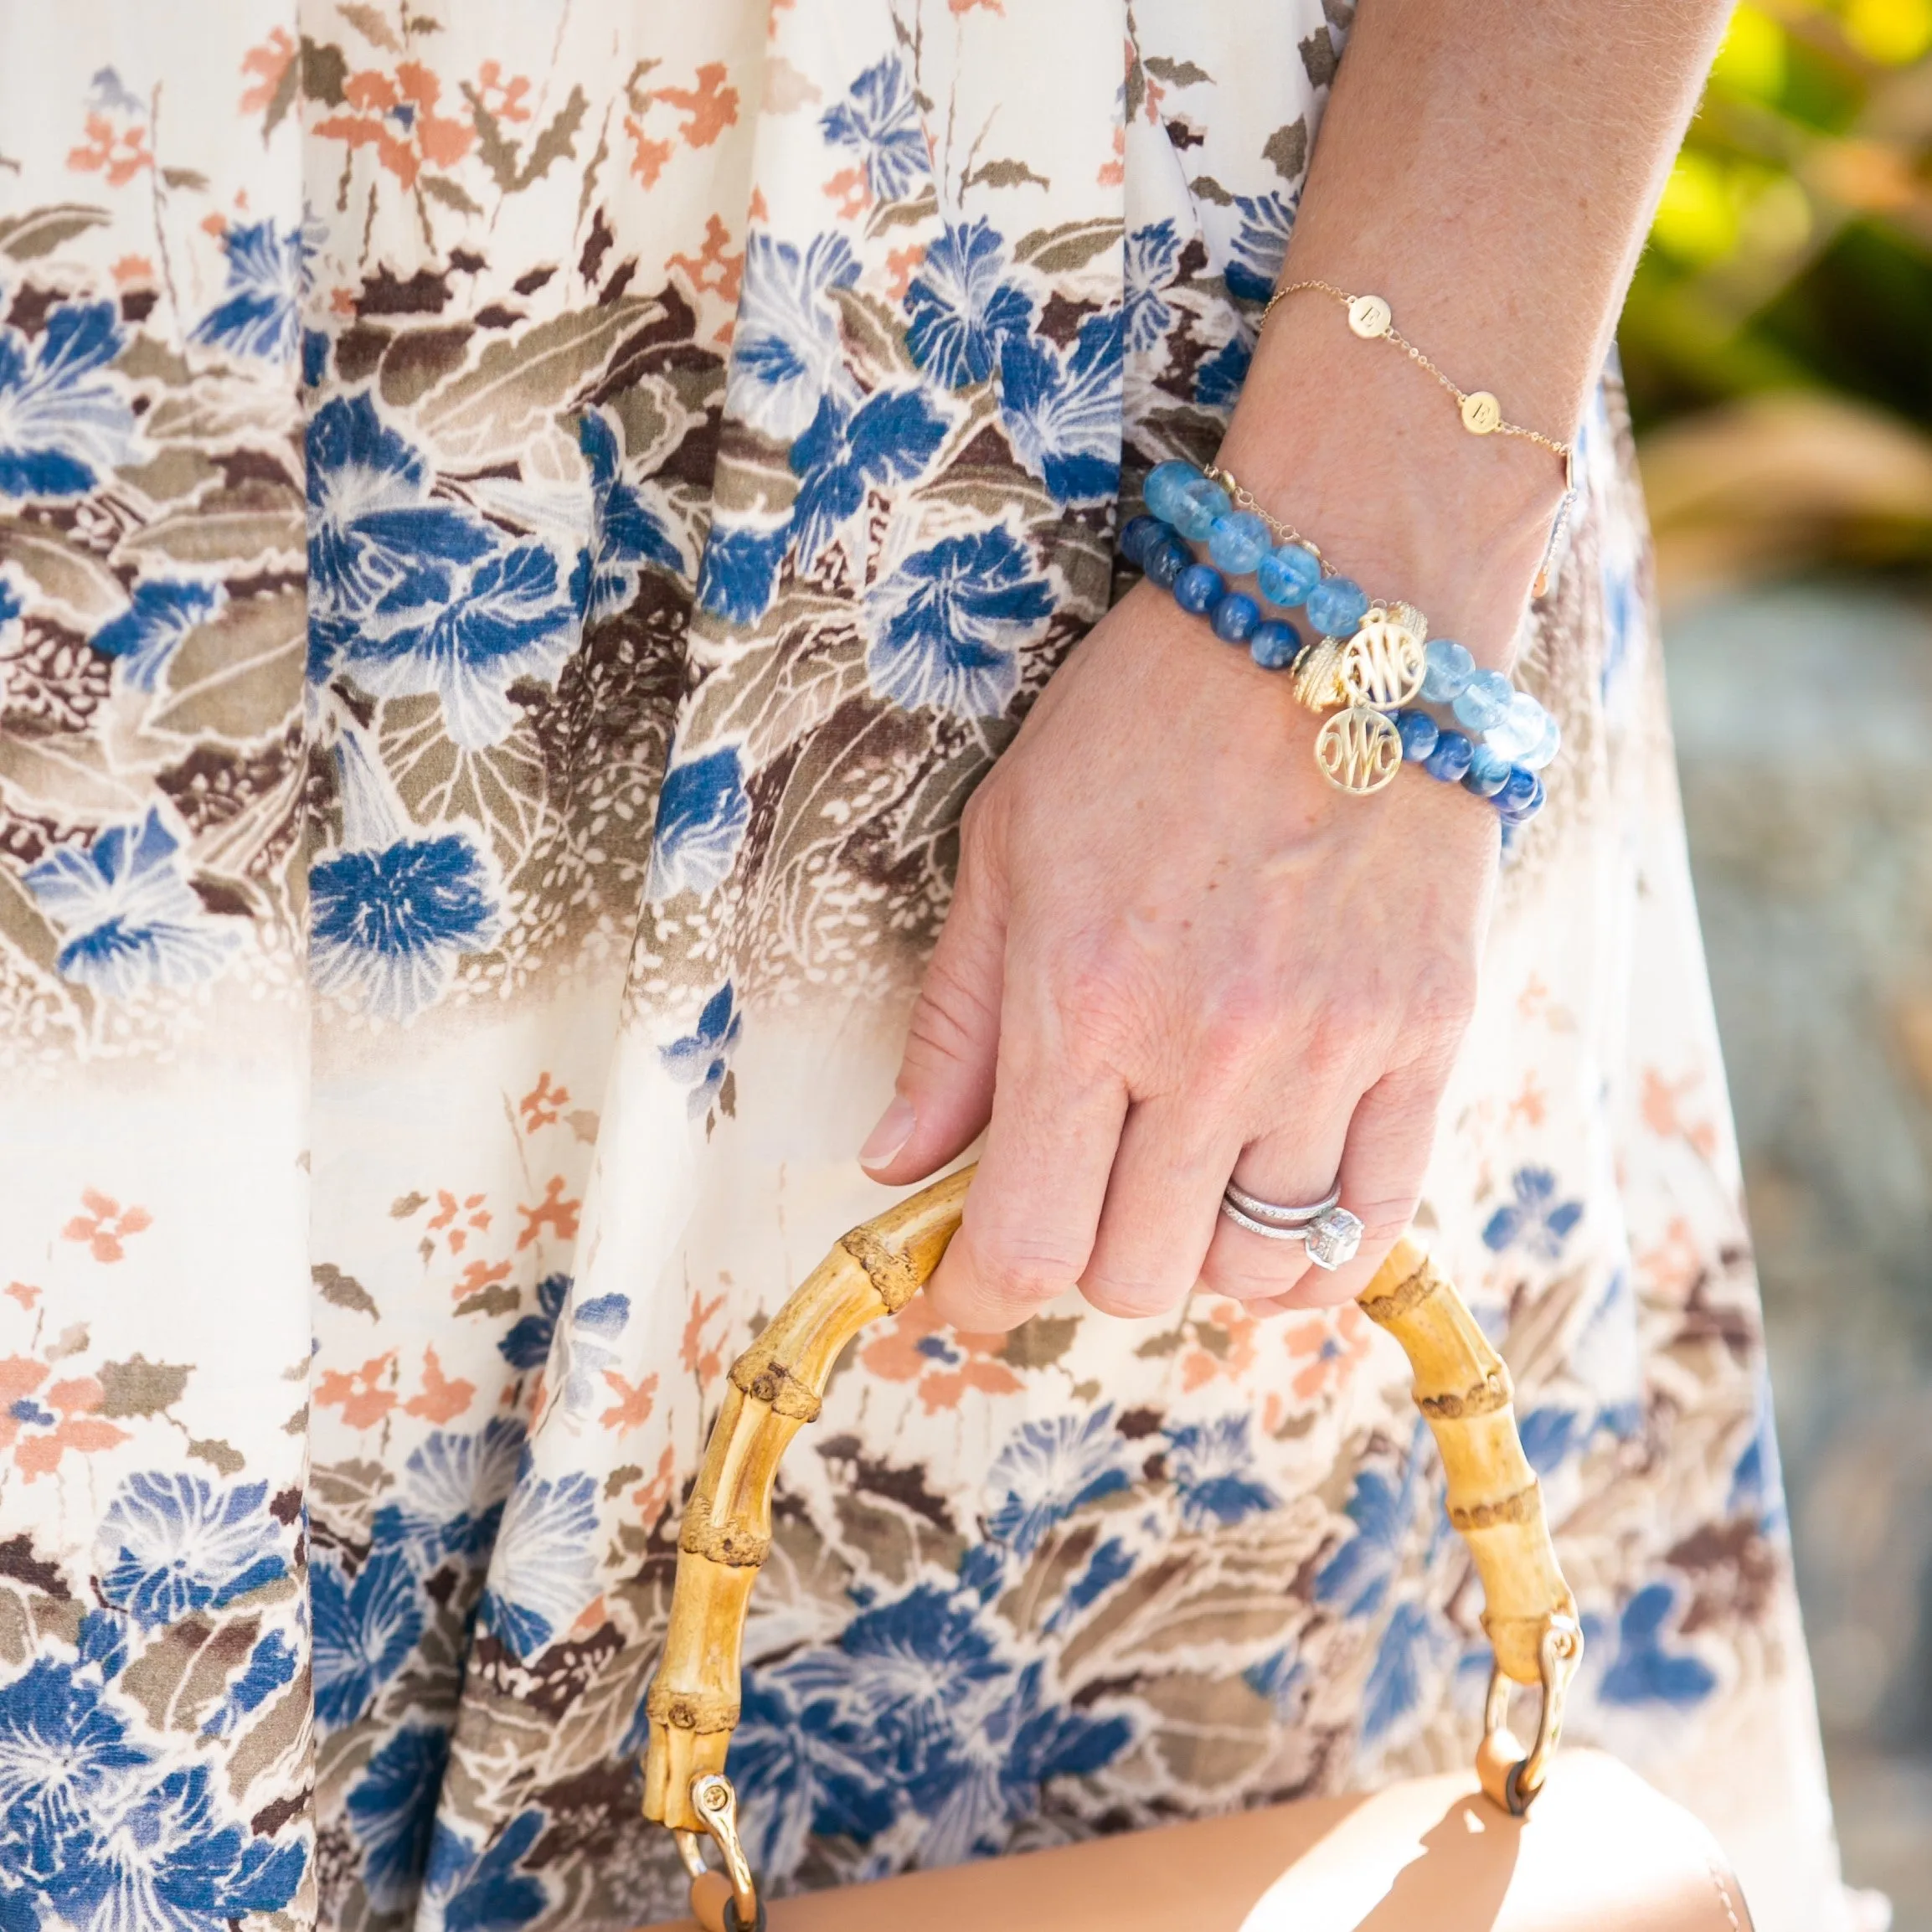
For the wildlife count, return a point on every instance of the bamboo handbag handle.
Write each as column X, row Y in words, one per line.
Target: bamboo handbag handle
column 1462, row 1387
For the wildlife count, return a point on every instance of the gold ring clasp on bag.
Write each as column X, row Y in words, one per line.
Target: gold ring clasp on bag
column 1462, row 1387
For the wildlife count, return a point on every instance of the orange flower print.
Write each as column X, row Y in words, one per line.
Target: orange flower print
column 39, row 1429
column 942, row 1362
column 633, row 1406
column 118, row 150
column 478, row 1276
column 1663, row 1113
column 714, row 270
column 651, row 1499
column 705, row 109
column 1328, row 1344
column 544, row 1105
column 508, row 99
column 553, row 1211
column 105, row 1225
column 903, row 263
column 444, row 1397
column 1222, row 1341
column 364, row 1395
column 703, row 1356
column 396, row 116
column 269, row 63
column 849, row 193
column 456, row 1220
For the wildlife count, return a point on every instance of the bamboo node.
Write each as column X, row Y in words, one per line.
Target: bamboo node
column 1525, row 1505
column 892, row 1274
column 758, row 1374
column 1385, row 1309
column 706, row 1713
column 723, row 1544
column 1490, row 1394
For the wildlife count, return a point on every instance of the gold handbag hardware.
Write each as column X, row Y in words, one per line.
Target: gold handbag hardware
column 1461, row 1386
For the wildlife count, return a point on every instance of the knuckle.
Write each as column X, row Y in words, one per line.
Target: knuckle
column 1016, row 1272
column 1444, row 998
column 949, row 1015
column 1132, row 1295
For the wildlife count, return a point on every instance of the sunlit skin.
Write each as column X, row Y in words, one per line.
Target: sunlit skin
column 1175, row 953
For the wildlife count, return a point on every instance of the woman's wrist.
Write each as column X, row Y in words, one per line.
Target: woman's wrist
column 1355, row 445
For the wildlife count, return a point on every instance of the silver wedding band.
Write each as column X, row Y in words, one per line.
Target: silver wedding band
column 1329, row 1233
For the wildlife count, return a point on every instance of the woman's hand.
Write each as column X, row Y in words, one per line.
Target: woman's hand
column 1178, row 955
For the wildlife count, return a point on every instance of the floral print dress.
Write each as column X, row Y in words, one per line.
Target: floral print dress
column 520, row 526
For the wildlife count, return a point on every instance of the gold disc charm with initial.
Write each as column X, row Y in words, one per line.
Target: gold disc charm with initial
column 1383, row 665
column 1368, row 317
column 1481, row 414
column 1358, row 750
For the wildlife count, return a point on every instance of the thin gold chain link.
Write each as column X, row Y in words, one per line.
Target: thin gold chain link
column 1392, row 334
column 1244, row 498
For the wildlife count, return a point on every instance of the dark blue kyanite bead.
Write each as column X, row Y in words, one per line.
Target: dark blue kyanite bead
column 1165, row 559
column 1234, row 618
column 1520, row 795
column 1419, row 732
column 1451, row 758
column 1199, row 588
column 1488, row 771
column 1274, row 644
column 1137, row 534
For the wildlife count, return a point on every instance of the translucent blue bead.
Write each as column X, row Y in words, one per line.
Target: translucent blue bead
column 1449, row 669
column 1418, row 733
column 1164, row 485
column 1487, row 773
column 1451, row 758
column 1199, row 588
column 1522, row 813
column 1517, row 789
column 1234, row 618
column 1136, row 535
column 1239, row 541
column 1201, row 506
column 1336, row 606
column 1483, row 701
column 1518, row 729
column 1274, row 644
column 1288, row 574
column 1165, row 559
column 1545, row 749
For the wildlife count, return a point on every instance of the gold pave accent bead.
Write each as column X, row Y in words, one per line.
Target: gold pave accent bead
column 1383, row 665
column 1318, row 676
column 1481, row 414
column 1369, row 316
column 1358, row 750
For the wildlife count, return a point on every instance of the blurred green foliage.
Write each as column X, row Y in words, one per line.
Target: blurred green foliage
column 1793, row 246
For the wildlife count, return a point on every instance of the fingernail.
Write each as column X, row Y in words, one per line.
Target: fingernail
column 894, row 1129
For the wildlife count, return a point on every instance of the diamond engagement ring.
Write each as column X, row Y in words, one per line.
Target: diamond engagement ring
column 1329, row 1233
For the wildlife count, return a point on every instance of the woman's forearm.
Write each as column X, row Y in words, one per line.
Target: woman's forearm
column 1489, row 167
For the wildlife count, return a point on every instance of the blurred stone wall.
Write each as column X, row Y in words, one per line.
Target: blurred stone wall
column 1804, row 721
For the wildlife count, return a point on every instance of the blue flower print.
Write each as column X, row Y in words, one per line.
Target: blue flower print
column 528, row 1344
column 740, row 571
column 702, row 815
column 12, row 605
column 701, row 1059
column 1213, row 1466
column 786, row 352
column 64, row 1758
column 464, row 1892
column 1382, row 1511
column 364, row 1632
column 160, row 613
column 392, row 1809
column 586, row 1354
column 1112, row 1562
column 1062, row 411
column 546, row 1567
column 961, row 308
column 128, row 917
column 453, row 1487
column 1051, row 1468
column 271, row 1665
column 1152, row 254
column 172, row 1542
column 171, row 1859
column 265, row 274
column 1219, row 378
column 878, row 120
column 1280, row 1679
column 387, row 927
column 64, row 424
column 1536, row 1221
column 889, row 438
column 946, row 626
column 1260, row 244
column 1644, row 1671
column 624, row 534
column 1409, row 1647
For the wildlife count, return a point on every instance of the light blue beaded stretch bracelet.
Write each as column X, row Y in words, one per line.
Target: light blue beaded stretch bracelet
column 1368, row 657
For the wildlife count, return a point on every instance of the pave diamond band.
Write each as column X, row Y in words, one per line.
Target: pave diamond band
column 1330, row 1233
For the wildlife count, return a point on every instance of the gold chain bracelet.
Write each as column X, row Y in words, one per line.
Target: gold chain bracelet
column 1370, row 317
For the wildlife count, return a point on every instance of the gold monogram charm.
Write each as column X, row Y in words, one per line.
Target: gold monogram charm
column 1383, row 664
column 1481, row 413
column 1368, row 317
column 1358, row 750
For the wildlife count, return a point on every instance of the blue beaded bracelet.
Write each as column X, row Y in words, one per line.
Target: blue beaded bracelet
column 1507, row 736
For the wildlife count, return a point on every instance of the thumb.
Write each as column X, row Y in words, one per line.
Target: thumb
column 945, row 1090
